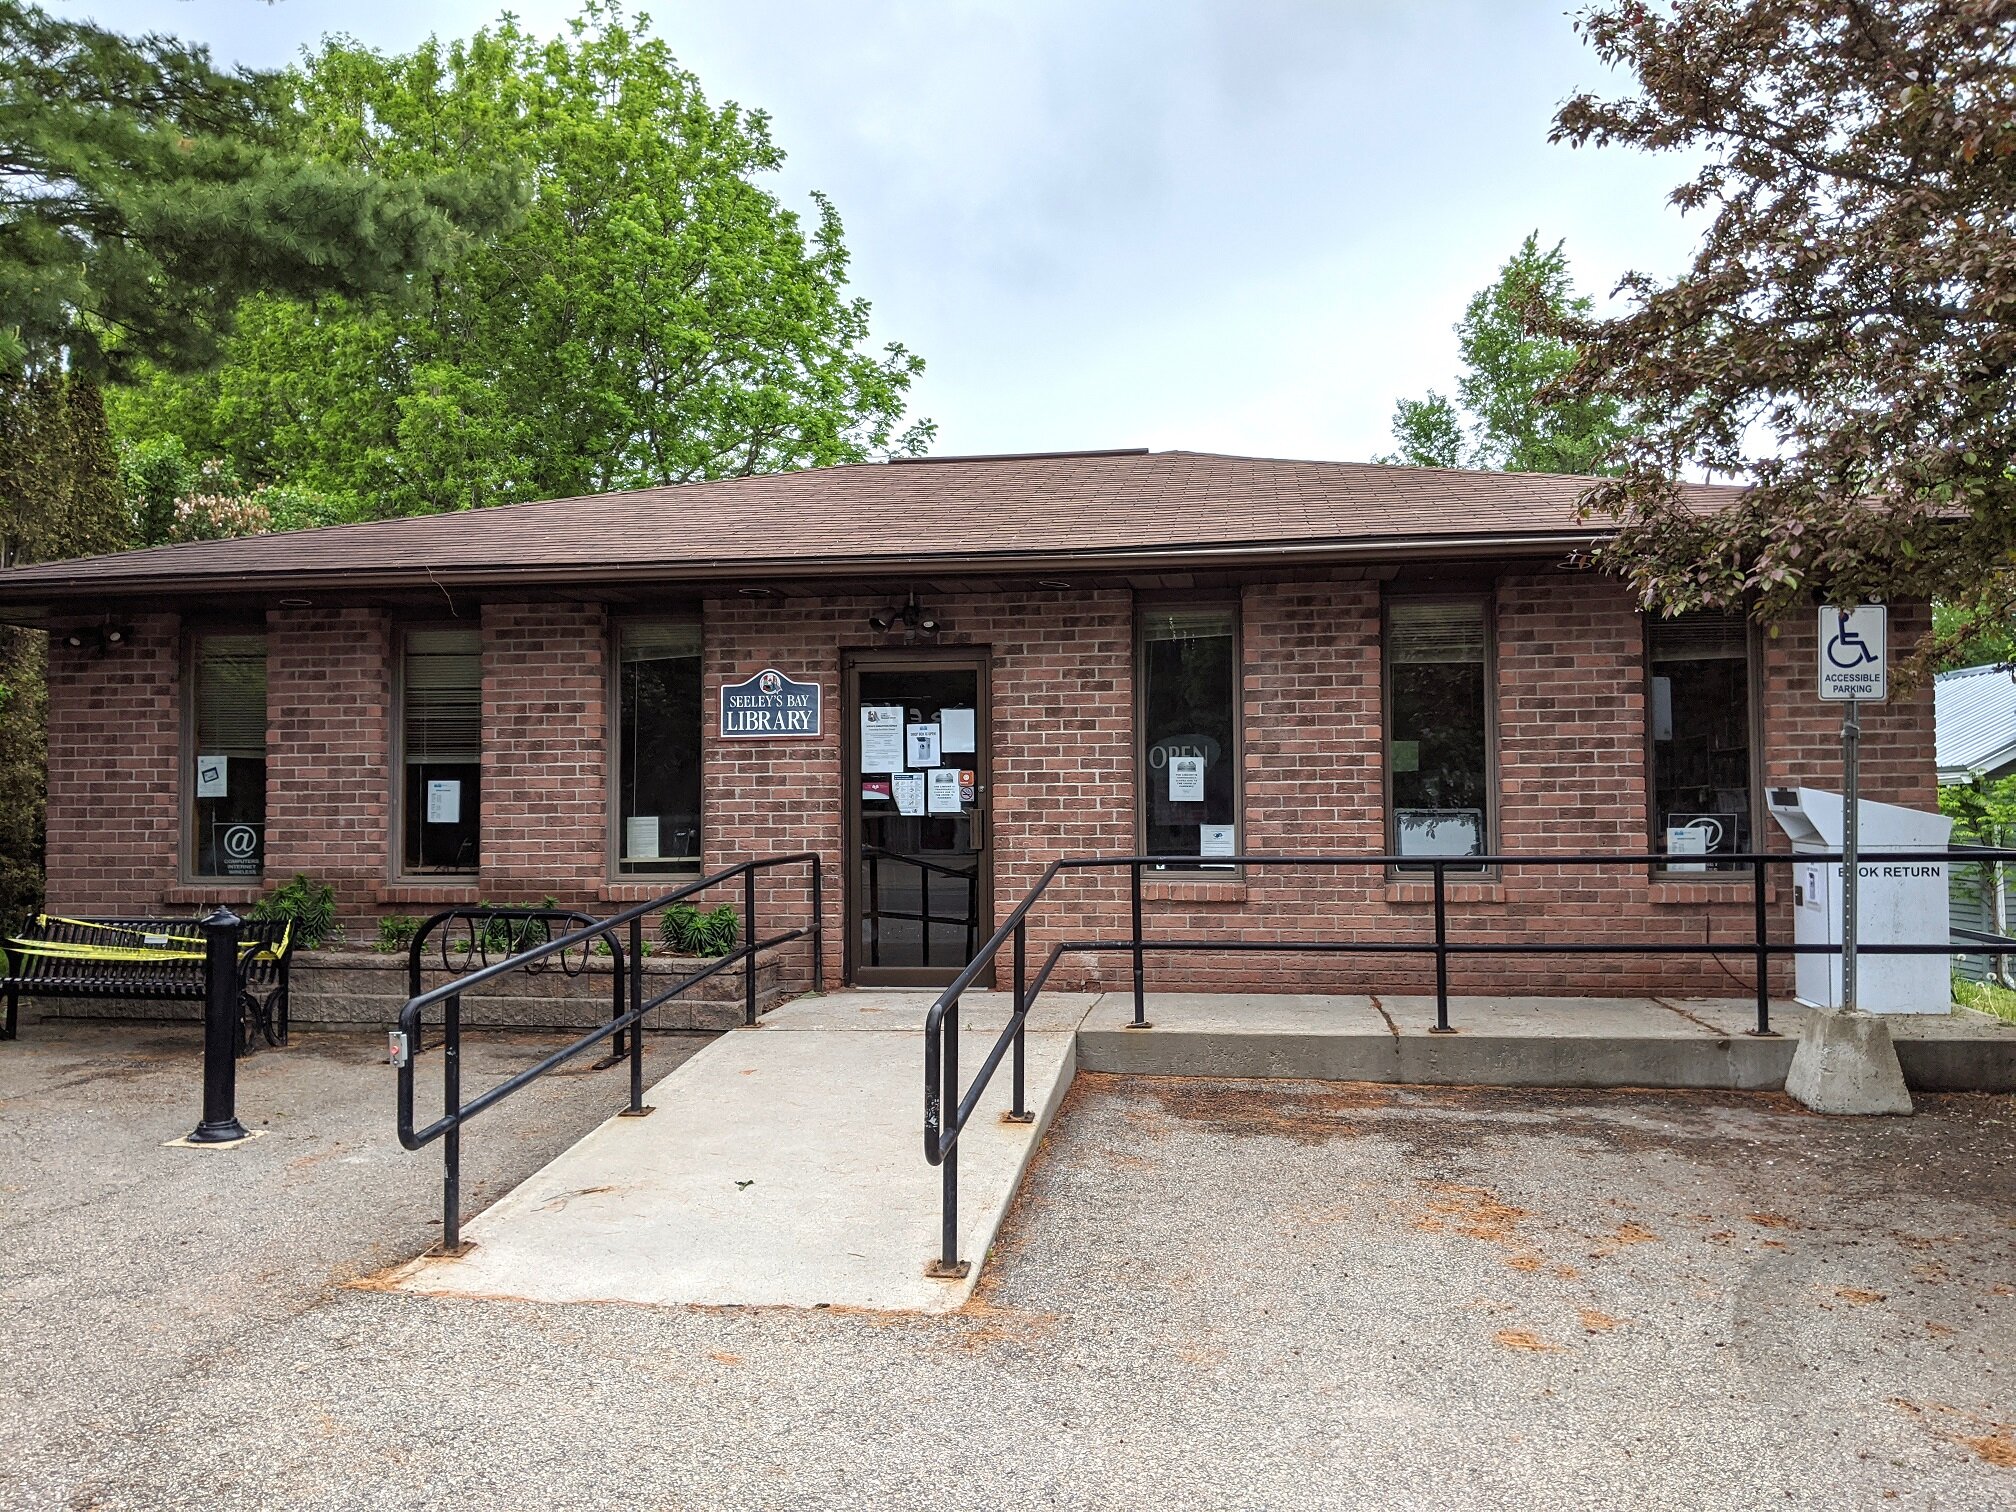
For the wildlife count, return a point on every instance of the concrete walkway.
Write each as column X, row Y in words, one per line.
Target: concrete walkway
column 784, row 1163
column 784, row 1166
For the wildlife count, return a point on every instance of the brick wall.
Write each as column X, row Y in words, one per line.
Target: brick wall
column 114, row 731
column 1570, row 750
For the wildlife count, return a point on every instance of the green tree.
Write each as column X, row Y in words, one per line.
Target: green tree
column 59, row 494
column 657, row 316
column 1844, row 342
column 144, row 194
column 1508, row 412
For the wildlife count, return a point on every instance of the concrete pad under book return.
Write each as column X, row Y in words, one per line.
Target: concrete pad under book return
column 1512, row 1042
column 784, row 1166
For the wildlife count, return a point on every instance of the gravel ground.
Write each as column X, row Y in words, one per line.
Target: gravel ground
column 1211, row 1294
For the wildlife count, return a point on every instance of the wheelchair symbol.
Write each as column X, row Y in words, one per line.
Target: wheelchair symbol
column 1846, row 649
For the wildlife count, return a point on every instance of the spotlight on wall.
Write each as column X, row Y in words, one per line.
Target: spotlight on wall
column 98, row 639
column 914, row 619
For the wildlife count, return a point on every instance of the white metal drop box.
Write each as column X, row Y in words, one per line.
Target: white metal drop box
column 1900, row 903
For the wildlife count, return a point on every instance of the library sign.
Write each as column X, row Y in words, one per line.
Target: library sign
column 769, row 705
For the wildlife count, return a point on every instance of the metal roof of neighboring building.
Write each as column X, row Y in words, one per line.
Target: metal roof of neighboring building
column 1976, row 712
column 1114, row 509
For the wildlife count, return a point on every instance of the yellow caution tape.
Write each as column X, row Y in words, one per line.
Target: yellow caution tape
column 146, row 950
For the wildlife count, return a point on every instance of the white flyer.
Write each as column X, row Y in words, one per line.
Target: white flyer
column 881, row 738
column 955, row 731
column 944, row 787
column 213, row 776
column 640, row 837
column 907, row 788
column 923, row 745
column 1186, row 779
column 444, row 802
column 1215, row 840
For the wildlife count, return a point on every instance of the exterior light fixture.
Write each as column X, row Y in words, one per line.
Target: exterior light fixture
column 98, row 639
column 912, row 617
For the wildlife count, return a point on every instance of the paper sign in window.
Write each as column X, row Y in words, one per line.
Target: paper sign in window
column 640, row 837
column 908, row 790
column 943, row 783
column 881, row 738
column 1215, row 840
column 955, row 731
column 213, row 776
column 923, row 745
column 1186, row 779
column 444, row 801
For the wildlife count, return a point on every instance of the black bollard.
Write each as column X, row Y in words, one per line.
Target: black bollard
column 220, row 1032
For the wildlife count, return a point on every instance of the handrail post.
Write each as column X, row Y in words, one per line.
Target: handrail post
column 221, row 1019
column 1762, row 922
column 451, row 1142
column 1140, row 964
column 818, row 930
column 1441, row 951
column 636, row 1108
column 948, row 1266
column 1019, row 1112
column 749, row 938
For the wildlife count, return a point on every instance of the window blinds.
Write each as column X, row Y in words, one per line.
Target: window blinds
column 1185, row 624
column 1419, row 634
column 231, row 695
column 444, row 696
column 1704, row 635
column 643, row 642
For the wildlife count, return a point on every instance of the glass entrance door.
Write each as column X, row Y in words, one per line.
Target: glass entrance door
column 919, row 897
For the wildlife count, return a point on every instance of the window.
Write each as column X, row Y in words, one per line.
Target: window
column 1189, row 669
column 1698, row 707
column 441, row 751
column 1438, row 727
column 227, row 756
column 658, row 704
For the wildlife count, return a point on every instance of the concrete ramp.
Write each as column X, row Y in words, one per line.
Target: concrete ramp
column 783, row 1166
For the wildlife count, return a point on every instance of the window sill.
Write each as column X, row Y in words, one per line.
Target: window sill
column 231, row 890
column 1731, row 888
column 447, row 893
column 1189, row 890
column 643, row 892
column 1452, row 892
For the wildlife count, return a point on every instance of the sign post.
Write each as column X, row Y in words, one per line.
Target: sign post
column 1854, row 669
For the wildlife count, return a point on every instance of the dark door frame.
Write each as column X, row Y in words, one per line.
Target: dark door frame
column 920, row 659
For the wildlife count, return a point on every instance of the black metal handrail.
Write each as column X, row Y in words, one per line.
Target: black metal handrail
column 947, row 1109
column 407, row 1044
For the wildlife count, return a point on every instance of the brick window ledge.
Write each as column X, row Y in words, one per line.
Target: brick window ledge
column 447, row 894
column 199, row 893
column 1452, row 892
column 1734, row 888
column 644, row 892
column 1213, row 890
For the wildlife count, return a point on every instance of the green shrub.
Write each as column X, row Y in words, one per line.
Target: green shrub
column 395, row 932
column 687, row 931
column 308, row 905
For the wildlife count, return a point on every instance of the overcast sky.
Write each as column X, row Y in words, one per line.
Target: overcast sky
column 1226, row 225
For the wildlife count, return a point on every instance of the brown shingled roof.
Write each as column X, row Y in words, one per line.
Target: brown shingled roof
column 992, row 514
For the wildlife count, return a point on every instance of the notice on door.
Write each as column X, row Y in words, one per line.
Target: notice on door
column 881, row 738
column 923, row 745
column 955, row 728
column 943, row 783
column 908, row 790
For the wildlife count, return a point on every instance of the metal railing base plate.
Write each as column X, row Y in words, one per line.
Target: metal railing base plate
column 1144, row 1024
column 1451, row 1030
column 958, row 1270
column 451, row 1251
column 644, row 1112
column 1018, row 1118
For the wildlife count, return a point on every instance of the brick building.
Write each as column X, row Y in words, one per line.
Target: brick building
column 1014, row 659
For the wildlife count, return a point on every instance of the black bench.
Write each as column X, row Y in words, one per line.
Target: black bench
column 156, row 959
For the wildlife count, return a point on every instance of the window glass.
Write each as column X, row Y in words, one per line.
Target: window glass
column 658, row 748
column 227, row 767
column 1698, row 709
column 441, row 740
column 1189, row 718
column 1438, row 732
